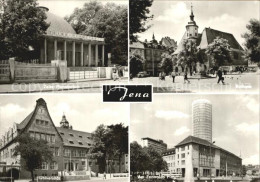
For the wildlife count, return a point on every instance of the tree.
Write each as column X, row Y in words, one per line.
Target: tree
column 98, row 150
column 167, row 63
column 108, row 21
column 33, row 152
column 138, row 16
column 119, row 137
column 139, row 159
column 219, row 51
column 110, row 142
column 156, row 162
column 136, row 64
column 22, row 25
column 188, row 56
column 252, row 39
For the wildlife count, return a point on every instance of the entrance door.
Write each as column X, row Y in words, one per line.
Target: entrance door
column 183, row 172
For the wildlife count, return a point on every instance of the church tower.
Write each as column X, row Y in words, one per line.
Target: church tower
column 64, row 122
column 192, row 28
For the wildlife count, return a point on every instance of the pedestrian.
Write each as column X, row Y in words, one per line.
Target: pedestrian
column 173, row 76
column 186, row 76
column 220, row 77
column 115, row 75
column 163, row 76
column 104, row 175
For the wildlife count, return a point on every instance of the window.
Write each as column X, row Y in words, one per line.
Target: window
column 66, row 152
column 190, row 34
column 56, row 151
column 71, row 134
column 182, row 155
column 43, row 136
column 54, row 166
column 37, row 136
column 52, row 138
column 83, row 163
column 80, row 136
column 32, row 134
column 183, row 162
column 80, row 143
column 196, row 34
column 71, row 142
column 82, row 153
column 46, row 123
column 44, row 166
column 48, row 138
column 61, row 133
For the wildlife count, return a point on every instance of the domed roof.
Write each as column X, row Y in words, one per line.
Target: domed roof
column 58, row 24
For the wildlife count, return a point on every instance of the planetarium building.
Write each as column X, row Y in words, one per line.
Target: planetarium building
column 61, row 42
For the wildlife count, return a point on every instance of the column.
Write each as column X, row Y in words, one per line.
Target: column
column 103, row 55
column 82, row 54
column 45, row 50
column 55, row 49
column 89, row 55
column 96, row 56
column 65, row 50
column 73, row 53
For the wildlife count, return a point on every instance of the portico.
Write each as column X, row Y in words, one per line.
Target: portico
column 78, row 50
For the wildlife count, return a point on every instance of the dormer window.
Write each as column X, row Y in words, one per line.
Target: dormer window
column 71, row 134
column 80, row 136
column 71, row 142
column 61, row 133
column 80, row 143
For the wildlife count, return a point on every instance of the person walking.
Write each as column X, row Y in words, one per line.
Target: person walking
column 104, row 175
column 173, row 76
column 220, row 77
column 186, row 76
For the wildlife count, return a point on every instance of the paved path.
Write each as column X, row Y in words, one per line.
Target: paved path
column 92, row 179
column 80, row 86
column 245, row 83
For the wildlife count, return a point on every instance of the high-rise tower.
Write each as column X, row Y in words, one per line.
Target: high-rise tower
column 192, row 27
column 202, row 119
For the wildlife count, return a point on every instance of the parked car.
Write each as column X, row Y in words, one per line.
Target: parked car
column 142, row 74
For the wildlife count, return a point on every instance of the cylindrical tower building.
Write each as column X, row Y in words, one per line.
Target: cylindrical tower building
column 202, row 119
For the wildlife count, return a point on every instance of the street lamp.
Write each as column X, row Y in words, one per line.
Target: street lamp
column 210, row 156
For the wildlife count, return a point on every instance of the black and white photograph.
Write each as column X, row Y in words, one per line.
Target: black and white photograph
column 195, row 46
column 195, row 138
column 62, row 46
column 66, row 138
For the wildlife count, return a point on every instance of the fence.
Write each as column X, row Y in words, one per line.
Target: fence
column 4, row 71
column 28, row 71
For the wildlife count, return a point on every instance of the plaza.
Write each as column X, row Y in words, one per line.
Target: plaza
column 239, row 83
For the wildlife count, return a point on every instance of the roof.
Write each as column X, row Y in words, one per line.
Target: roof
column 75, row 138
column 211, row 34
column 169, row 151
column 58, row 24
column 168, row 42
column 25, row 121
column 196, row 140
column 157, row 141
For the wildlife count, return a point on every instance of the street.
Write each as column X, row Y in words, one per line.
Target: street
column 248, row 82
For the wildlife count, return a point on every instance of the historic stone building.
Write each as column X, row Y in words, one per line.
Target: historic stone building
column 152, row 51
column 70, row 147
column 205, row 38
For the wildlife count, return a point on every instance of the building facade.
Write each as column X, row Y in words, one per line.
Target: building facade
column 70, row 147
column 202, row 119
column 206, row 157
column 202, row 41
column 152, row 51
column 158, row 145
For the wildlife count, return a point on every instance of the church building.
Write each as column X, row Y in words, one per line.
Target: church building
column 205, row 38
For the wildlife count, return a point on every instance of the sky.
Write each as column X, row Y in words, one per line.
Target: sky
column 83, row 111
column 235, row 122
column 171, row 17
column 63, row 8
